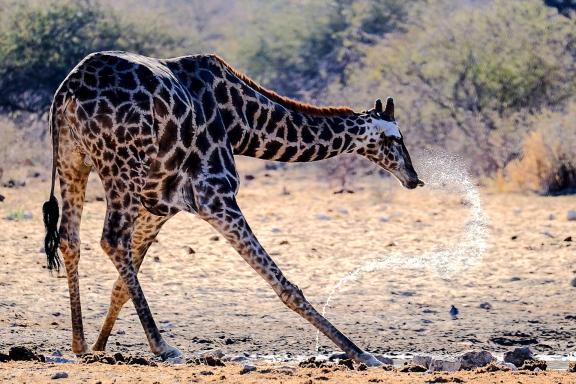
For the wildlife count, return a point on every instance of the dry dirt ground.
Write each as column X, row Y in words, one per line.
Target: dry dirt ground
column 204, row 296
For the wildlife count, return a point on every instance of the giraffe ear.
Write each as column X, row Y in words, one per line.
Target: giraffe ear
column 389, row 111
column 378, row 106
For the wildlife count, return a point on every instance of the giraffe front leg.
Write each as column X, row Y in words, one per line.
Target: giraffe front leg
column 116, row 242
column 229, row 221
column 146, row 229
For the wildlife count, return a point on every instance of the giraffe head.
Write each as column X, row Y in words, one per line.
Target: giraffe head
column 383, row 144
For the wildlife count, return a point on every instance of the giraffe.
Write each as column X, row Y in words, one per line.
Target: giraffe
column 162, row 135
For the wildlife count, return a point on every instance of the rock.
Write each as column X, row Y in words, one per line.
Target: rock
column 533, row 365
column 475, row 359
column 362, row 367
column 99, row 358
column 215, row 238
column 412, row 368
column 337, row 356
column 518, row 356
column 59, row 375
column 156, row 259
column 190, row 250
column 136, row 360
column 573, row 282
column 249, row 177
column 384, row 359
column 343, row 211
column 119, row 357
column 323, row 217
column 348, row 363
column 2, row 198
column 422, row 361
column 215, row 353
column 4, row 358
column 239, row 359
column 571, row 215
column 572, row 366
column 496, row 367
column 20, row 353
column 551, row 216
column 487, row 306
column 14, row 184
column 247, row 368
column 444, row 365
column 569, row 238
column 384, row 219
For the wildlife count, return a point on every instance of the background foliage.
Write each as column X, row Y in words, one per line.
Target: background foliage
column 493, row 80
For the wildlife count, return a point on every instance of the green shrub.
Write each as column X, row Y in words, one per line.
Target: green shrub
column 41, row 42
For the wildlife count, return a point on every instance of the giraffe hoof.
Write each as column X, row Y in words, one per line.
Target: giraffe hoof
column 171, row 354
column 368, row 359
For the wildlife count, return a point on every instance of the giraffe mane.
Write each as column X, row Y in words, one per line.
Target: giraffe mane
column 286, row 101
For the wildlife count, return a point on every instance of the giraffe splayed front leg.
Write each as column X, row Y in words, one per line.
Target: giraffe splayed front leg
column 230, row 222
column 146, row 228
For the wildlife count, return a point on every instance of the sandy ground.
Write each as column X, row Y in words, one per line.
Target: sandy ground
column 104, row 374
column 211, row 299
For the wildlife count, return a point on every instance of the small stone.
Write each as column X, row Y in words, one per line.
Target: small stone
column 444, row 365
column 284, row 242
column 249, row 177
column 518, row 356
column 156, row 259
column 348, row 363
column 119, row 357
column 422, row 361
column 573, row 282
column 59, row 375
column 190, row 250
column 276, row 230
column 247, row 368
column 551, row 216
column 343, row 211
column 2, row 198
column 571, row 215
column 4, row 357
column 323, row 217
column 239, row 359
column 514, row 237
column 362, row 367
column 475, row 359
column 487, row 306
column 569, row 238
column 412, row 368
column 19, row 353
column 384, row 219
column 533, row 365
column 215, row 238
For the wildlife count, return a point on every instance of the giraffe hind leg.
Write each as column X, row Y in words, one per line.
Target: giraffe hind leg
column 146, row 228
column 73, row 175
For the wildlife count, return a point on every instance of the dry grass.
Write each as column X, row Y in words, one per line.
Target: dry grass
column 547, row 164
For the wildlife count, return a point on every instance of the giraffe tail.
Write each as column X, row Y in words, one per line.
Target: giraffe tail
column 50, row 209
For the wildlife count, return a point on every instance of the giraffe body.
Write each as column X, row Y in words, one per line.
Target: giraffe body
column 162, row 135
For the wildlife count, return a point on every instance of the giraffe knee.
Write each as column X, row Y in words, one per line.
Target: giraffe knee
column 293, row 297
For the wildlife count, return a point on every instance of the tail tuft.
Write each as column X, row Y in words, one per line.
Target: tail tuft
column 51, row 212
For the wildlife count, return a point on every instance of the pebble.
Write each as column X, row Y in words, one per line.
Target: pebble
column 571, row 215
column 323, row 217
column 190, row 250
column 518, row 356
column 475, row 359
column 247, row 368
column 487, row 306
column 59, row 375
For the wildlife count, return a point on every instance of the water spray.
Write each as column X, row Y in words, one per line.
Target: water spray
column 446, row 173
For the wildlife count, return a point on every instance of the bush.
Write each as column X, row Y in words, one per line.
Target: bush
column 41, row 43
column 547, row 164
column 468, row 76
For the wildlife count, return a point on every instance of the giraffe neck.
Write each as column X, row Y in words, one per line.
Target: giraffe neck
column 262, row 128
column 277, row 133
